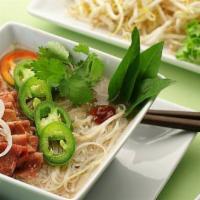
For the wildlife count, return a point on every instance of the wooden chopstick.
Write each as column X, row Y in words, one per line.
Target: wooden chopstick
column 173, row 119
column 179, row 114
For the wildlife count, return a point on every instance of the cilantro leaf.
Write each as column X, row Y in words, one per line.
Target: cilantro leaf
column 82, row 48
column 91, row 69
column 52, row 70
column 54, row 50
column 95, row 68
column 76, row 90
column 77, row 87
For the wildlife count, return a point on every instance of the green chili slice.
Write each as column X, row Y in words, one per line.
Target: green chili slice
column 32, row 93
column 48, row 112
column 23, row 72
column 57, row 143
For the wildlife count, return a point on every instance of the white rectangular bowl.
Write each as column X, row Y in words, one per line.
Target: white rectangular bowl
column 57, row 13
column 16, row 35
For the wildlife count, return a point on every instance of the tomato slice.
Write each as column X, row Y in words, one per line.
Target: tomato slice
column 8, row 62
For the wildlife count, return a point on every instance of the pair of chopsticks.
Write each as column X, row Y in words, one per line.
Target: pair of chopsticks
column 186, row 120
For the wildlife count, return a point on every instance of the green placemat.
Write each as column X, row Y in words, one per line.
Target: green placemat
column 185, row 181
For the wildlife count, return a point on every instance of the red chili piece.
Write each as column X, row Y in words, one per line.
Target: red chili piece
column 102, row 113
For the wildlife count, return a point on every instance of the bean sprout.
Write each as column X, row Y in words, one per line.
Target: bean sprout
column 156, row 19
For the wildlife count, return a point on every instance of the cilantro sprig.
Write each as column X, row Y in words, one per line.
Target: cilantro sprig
column 50, row 69
column 76, row 89
column 54, row 50
column 73, row 80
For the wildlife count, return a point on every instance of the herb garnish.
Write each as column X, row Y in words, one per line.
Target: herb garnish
column 190, row 50
column 76, row 89
column 136, row 80
column 50, row 69
column 117, row 80
column 73, row 80
column 149, row 88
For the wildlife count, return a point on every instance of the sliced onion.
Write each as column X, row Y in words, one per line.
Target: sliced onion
column 7, row 134
column 2, row 133
column 2, row 108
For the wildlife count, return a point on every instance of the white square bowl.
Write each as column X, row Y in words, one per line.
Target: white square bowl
column 14, row 35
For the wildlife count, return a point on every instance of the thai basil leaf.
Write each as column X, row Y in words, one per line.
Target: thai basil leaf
column 150, row 60
column 119, row 75
column 149, row 88
column 130, row 80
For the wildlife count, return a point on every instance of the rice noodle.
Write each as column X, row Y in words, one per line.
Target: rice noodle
column 156, row 19
column 93, row 144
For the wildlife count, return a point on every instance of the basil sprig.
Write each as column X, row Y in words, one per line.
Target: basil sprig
column 136, row 79
column 117, row 79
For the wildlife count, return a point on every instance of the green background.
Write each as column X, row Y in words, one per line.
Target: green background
column 185, row 181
